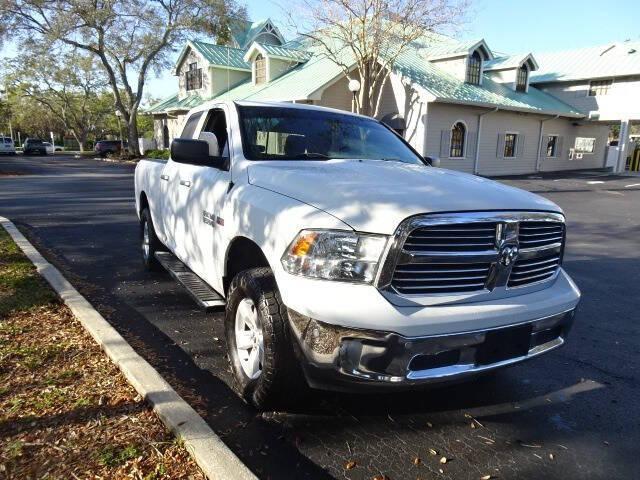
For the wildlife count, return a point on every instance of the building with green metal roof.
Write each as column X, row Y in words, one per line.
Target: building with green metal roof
column 477, row 111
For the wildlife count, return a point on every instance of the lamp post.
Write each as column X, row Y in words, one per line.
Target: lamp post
column 354, row 88
column 118, row 115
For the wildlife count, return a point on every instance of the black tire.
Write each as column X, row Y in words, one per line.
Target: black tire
column 149, row 255
column 281, row 383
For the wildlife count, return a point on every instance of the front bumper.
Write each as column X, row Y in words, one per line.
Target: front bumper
column 338, row 358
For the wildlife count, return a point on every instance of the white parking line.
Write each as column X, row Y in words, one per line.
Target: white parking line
column 632, row 185
column 593, row 182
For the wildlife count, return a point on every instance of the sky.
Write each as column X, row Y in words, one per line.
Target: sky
column 508, row 26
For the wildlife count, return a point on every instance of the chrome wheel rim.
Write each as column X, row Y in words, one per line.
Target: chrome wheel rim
column 249, row 339
column 145, row 240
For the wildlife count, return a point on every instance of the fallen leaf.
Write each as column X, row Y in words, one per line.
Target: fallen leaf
column 429, row 424
column 440, row 470
column 473, row 425
column 485, row 477
column 443, row 460
column 349, row 465
column 416, row 461
column 432, row 451
column 551, row 456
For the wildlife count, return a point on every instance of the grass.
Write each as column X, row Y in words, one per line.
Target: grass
column 65, row 410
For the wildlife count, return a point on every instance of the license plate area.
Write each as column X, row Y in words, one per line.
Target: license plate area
column 504, row 344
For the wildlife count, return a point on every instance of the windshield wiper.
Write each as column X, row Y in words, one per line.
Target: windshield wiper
column 315, row 155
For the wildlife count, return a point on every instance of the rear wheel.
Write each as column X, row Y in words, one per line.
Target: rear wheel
column 266, row 373
column 149, row 241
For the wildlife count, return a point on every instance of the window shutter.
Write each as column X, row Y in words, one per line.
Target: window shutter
column 520, row 146
column 470, row 152
column 500, row 148
column 445, row 142
column 559, row 147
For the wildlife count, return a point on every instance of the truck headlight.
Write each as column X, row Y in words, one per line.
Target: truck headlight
column 335, row 255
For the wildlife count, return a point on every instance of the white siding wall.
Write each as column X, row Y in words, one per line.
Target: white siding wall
column 622, row 101
column 567, row 133
column 222, row 79
column 456, row 67
column 276, row 67
column 174, row 124
column 192, row 57
column 441, row 118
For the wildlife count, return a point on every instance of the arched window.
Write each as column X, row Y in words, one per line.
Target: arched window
column 474, row 68
column 458, row 134
column 261, row 69
column 523, row 77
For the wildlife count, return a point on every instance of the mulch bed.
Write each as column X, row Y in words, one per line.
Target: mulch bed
column 65, row 410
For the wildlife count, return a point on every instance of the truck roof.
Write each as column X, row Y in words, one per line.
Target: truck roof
column 249, row 103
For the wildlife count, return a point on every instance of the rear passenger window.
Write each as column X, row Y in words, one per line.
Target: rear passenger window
column 190, row 126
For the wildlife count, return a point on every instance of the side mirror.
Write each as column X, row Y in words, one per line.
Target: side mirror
column 433, row 161
column 194, row 152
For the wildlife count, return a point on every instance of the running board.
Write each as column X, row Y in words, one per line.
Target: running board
column 205, row 296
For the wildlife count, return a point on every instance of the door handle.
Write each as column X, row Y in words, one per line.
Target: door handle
column 164, row 177
column 186, row 183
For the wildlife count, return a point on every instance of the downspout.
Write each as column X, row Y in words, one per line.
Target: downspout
column 542, row 122
column 476, row 160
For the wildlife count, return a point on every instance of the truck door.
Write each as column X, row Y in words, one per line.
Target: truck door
column 173, row 227
column 205, row 200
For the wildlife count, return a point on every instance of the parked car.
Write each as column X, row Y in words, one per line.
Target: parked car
column 34, row 146
column 49, row 148
column 344, row 260
column 108, row 147
column 7, row 147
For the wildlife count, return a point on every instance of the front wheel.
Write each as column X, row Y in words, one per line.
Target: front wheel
column 265, row 370
column 149, row 241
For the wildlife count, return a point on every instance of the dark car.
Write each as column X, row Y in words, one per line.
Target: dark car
column 108, row 147
column 34, row 146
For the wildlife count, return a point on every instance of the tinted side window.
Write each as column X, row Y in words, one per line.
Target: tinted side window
column 190, row 126
column 217, row 124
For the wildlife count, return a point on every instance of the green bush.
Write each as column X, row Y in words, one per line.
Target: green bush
column 162, row 154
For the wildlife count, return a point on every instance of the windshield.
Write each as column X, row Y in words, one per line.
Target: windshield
column 280, row 133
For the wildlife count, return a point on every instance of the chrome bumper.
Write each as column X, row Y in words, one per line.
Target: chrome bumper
column 338, row 358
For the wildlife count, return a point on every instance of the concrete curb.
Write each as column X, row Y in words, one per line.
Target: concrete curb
column 210, row 453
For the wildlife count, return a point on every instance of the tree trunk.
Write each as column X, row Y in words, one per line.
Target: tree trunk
column 132, row 136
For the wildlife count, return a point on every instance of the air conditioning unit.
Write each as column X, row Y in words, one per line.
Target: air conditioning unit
column 594, row 115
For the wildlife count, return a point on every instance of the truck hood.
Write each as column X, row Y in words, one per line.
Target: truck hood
column 375, row 196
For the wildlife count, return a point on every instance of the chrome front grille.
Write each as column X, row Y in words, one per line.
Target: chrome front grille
column 535, row 270
column 473, row 253
column 416, row 279
column 540, row 234
column 452, row 238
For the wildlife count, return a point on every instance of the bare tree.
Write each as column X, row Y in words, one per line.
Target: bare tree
column 365, row 38
column 129, row 38
column 72, row 88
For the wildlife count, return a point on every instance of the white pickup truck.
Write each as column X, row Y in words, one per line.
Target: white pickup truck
column 346, row 261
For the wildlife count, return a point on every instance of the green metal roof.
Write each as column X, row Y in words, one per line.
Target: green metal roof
column 612, row 60
column 318, row 71
column 504, row 63
column 174, row 104
column 222, row 55
column 285, row 52
column 447, row 88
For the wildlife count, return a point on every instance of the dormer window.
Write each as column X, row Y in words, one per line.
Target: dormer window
column 261, row 69
column 193, row 77
column 522, row 79
column 474, row 68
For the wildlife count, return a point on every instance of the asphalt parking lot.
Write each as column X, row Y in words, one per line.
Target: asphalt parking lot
column 573, row 413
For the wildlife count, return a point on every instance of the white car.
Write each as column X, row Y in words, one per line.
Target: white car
column 50, row 148
column 7, row 147
column 344, row 260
